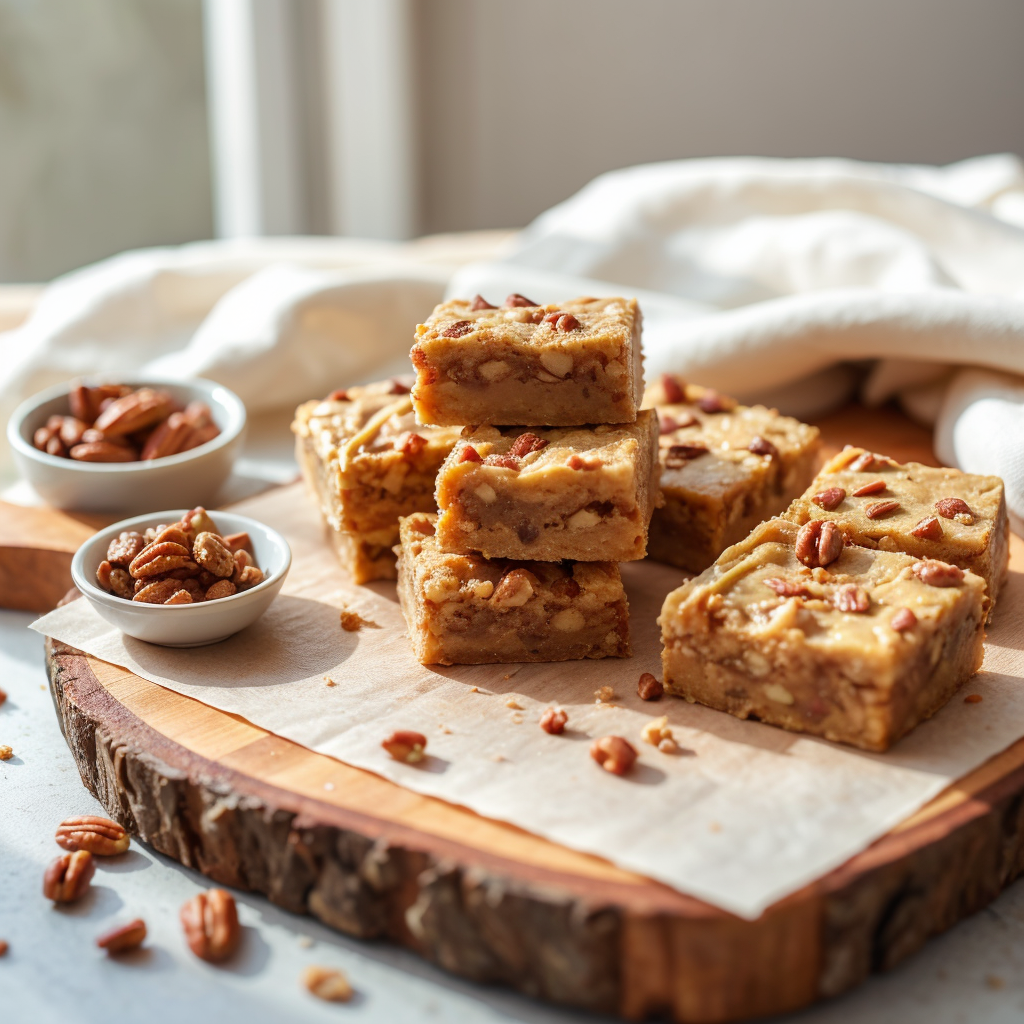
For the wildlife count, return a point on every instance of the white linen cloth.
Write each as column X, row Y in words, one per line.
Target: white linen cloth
column 760, row 277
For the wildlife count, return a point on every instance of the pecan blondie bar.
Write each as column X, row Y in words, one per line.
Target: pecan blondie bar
column 926, row 512
column 550, row 493
column 850, row 643
column 468, row 610
column 367, row 462
column 566, row 364
column 725, row 468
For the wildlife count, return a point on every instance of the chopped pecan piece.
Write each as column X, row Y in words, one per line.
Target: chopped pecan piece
column 851, row 598
column 121, row 940
column 949, row 508
column 648, row 687
column 514, row 589
column 614, row 754
column 678, row 455
column 526, row 443
column 762, row 446
column 674, row 389
column 830, row 499
column 504, row 461
column 711, row 401
column 938, row 574
column 413, row 445
column 406, row 745
column 669, row 424
column 470, row 454
column 338, row 395
column 567, row 322
column 515, row 299
column 903, row 620
column 928, row 529
column 787, row 588
column 579, row 462
column 458, row 329
column 881, row 508
column 553, row 721
column 125, row 547
column 479, row 302
column 874, row 487
column 213, row 555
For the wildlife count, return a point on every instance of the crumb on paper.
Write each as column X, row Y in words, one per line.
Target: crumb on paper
column 352, row 621
column 6, row 753
column 514, row 704
column 656, row 730
column 603, row 695
column 973, row 698
column 498, row 757
column 474, row 689
column 445, row 730
column 329, row 681
column 518, row 719
column 714, row 827
column 507, row 675
column 994, row 981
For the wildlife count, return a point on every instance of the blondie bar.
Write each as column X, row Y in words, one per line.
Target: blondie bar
column 859, row 649
column 550, row 493
column 468, row 610
column 367, row 463
column 926, row 512
column 725, row 468
column 566, row 364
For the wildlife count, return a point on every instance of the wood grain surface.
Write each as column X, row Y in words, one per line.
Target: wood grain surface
column 498, row 905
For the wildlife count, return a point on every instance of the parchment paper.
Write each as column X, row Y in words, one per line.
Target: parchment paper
column 745, row 815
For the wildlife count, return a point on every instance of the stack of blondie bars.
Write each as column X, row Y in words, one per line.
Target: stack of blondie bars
column 520, row 563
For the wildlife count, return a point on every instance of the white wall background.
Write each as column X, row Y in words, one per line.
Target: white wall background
column 515, row 104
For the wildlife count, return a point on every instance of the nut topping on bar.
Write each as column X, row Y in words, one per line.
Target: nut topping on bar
column 851, row 598
column 711, row 401
column 669, row 424
column 762, row 446
column 674, row 392
column 938, row 574
column 874, row 487
column 504, row 461
column 679, row 454
column 458, row 329
column 953, row 508
column 479, row 302
column 928, row 529
column 787, row 588
column 830, row 499
column 881, row 508
column 515, row 299
column 819, row 543
column 470, row 454
column 903, row 620
column 526, row 443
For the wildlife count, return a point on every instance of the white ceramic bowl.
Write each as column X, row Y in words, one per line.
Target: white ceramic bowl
column 185, row 625
column 191, row 478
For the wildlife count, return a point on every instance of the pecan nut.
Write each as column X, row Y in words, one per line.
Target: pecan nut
column 850, row 598
column 325, row 983
column 159, row 557
column 67, row 878
column 213, row 554
column 210, row 923
column 100, row 836
column 903, row 620
column 125, row 547
column 479, row 302
column 470, row 454
column 673, row 388
column 222, row 588
column 504, row 461
column 526, row 444
column 143, row 408
column 787, row 588
column 102, row 451
column 830, row 499
column 553, row 721
column 514, row 589
column 948, row 508
column 124, row 939
column 881, row 508
column 167, row 439
column 762, row 446
column 819, row 543
column 157, row 592
column 677, row 455
column 872, row 487
column 515, row 299
column 648, row 687
column 458, row 329
column 938, row 574
column 406, row 745
column 711, row 402
column 614, row 754
column 928, row 529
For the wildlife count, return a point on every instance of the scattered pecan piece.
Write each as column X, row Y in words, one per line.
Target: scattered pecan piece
column 673, row 388
column 103, row 571
column 338, row 395
column 515, row 299
column 949, row 508
column 711, row 401
column 470, row 454
column 124, row 939
column 903, row 620
column 819, row 543
column 210, row 923
column 67, row 878
column 479, row 302
column 458, row 329
column 4, row 946
column 6, row 752
column 579, row 462
column 874, row 487
column 398, row 387
column 526, row 443
column 786, row 588
column 406, row 745
column 504, row 461
column 677, row 455
column 648, row 687
column 614, row 754
column 830, row 499
column 325, row 983
column 882, row 508
column 928, row 529
column 973, row 698
column 553, row 721
column 762, row 446
column 100, row 836
column 413, row 445
column 851, row 598
column 669, row 424
column 938, row 574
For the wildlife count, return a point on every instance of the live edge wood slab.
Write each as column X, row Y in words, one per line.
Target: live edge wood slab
column 485, row 900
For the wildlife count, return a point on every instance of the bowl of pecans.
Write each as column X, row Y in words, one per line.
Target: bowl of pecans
column 183, row 578
column 129, row 445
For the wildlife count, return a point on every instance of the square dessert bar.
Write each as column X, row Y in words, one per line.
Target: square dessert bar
column 858, row 650
column 725, row 468
column 468, row 610
column 367, row 462
column 926, row 512
column 566, row 364
column 550, row 493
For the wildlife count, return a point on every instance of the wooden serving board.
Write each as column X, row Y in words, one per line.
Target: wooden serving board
column 484, row 899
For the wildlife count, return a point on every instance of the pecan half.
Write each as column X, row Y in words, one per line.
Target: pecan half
column 677, row 455
column 134, row 412
column 338, row 395
column 786, row 588
column 526, row 443
column 103, row 451
column 515, row 299
column 470, row 454
column 819, row 543
column 928, row 529
column 325, row 983
column 903, row 620
column 614, row 754
column 567, row 322
column 237, row 542
column 100, row 836
column 167, row 439
column 673, row 388
column 249, row 577
column 157, row 592
column 711, row 401
column 850, row 598
column 881, row 508
column 479, row 302
column 874, row 487
column 125, row 547
column 830, row 499
column 124, row 939
column 949, row 508
column 71, row 430
column 458, row 329
column 938, row 574
column 222, row 588
column 553, row 721
column 762, row 446
column 210, row 923
column 504, row 461
column 648, row 687
column 159, row 557
column 67, row 878
column 213, row 555
column 197, row 521
column 406, row 745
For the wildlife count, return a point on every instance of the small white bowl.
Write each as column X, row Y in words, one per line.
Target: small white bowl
column 185, row 625
column 191, row 478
